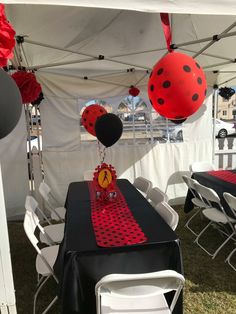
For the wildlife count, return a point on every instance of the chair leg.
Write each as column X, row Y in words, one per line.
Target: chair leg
column 50, row 305
column 190, row 219
column 213, row 255
column 228, row 259
column 37, row 292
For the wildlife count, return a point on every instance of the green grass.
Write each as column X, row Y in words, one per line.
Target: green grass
column 210, row 284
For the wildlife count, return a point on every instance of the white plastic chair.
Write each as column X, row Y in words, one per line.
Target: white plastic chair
column 58, row 213
column 138, row 293
column 201, row 166
column 196, row 200
column 168, row 213
column 45, row 259
column 231, row 201
column 156, row 196
column 51, row 234
column 216, row 216
column 88, row 175
column 143, row 185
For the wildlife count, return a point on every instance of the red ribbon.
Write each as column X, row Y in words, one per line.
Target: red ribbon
column 166, row 28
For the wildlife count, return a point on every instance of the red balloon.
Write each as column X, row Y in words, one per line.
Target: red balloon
column 90, row 115
column 177, row 86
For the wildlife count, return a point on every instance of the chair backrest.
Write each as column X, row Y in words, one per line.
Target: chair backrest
column 208, row 195
column 231, row 201
column 168, row 213
column 32, row 204
column 156, row 196
column 200, row 166
column 88, row 175
column 142, row 184
column 140, row 285
column 44, row 190
column 190, row 184
column 31, row 222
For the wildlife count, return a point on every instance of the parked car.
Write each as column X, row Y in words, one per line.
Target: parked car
column 223, row 129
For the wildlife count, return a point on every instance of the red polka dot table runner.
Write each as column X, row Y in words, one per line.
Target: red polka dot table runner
column 224, row 175
column 113, row 222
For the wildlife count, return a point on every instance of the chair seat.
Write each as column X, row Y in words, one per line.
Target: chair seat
column 50, row 254
column 55, row 232
column 61, row 211
column 145, row 305
column 216, row 215
column 197, row 202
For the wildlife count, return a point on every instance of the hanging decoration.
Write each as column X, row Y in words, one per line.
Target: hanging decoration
column 90, row 116
column 28, row 86
column 134, row 91
column 7, row 38
column 108, row 129
column 177, row 86
column 10, row 104
column 226, row 92
column 37, row 102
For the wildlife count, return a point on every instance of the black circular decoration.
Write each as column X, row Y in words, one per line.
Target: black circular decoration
column 10, row 104
column 108, row 129
column 226, row 92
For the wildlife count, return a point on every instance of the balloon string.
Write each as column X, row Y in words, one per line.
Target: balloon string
column 165, row 22
column 101, row 152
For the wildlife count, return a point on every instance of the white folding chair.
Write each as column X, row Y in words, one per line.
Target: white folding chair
column 138, row 293
column 201, row 166
column 57, row 213
column 168, row 213
column 143, row 185
column 156, row 196
column 88, row 175
column 51, row 234
column 216, row 215
column 45, row 259
column 231, row 201
column 196, row 200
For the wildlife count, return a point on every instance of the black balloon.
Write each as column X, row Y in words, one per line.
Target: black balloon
column 10, row 104
column 108, row 129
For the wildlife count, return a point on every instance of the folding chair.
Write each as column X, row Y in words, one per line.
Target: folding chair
column 168, row 213
column 216, row 214
column 138, row 293
column 200, row 166
column 58, row 213
column 196, row 200
column 51, row 234
column 143, row 185
column 45, row 259
column 88, row 175
column 231, row 201
column 156, row 196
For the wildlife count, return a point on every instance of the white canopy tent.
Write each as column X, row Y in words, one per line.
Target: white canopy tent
column 83, row 50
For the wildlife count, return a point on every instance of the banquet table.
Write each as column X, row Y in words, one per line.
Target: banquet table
column 219, row 180
column 81, row 263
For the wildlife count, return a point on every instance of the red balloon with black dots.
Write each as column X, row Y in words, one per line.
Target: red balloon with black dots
column 177, row 86
column 90, row 115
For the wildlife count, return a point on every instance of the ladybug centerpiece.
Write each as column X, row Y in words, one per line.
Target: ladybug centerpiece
column 104, row 180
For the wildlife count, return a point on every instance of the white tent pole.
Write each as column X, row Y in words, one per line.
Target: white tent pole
column 7, row 292
column 231, row 79
column 209, row 55
column 217, row 64
column 50, row 65
column 215, row 106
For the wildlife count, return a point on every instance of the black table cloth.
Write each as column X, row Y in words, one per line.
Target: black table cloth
column 81, row 263
column 215, row 183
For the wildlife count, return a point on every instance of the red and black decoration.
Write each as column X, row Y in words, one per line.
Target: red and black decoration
column 226, row 92
column 108, row 129
column 134, row 91
column 104, row 182
column 90, row 115
column 7, row 38
column 28, row 86
column 177, row 86
column 113, row 223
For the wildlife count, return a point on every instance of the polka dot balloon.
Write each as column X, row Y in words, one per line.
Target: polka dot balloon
column 90, row 115
column 177, row 86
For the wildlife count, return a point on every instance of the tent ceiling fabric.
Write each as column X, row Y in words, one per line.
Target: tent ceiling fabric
column 180, row 6
column 130, row 41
